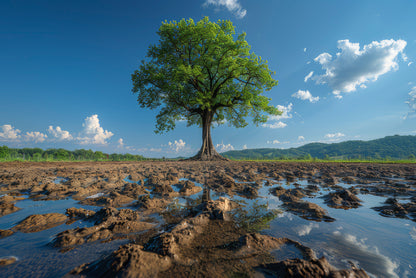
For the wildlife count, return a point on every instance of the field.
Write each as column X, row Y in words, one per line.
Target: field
column 209, row 219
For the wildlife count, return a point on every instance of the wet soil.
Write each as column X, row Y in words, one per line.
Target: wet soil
column 139, row 202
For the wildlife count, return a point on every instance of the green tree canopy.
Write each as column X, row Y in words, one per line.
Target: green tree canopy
column 203, row 73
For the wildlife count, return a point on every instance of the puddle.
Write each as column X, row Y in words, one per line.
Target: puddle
column 95, row 196
column 60, row 180
column 384, row 247
column 33, row 251
column 287, row 252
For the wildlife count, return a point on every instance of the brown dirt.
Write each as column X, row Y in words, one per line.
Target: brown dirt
column 7, row 261
column 343, row 199
column 39, row 222
column 203, row 240
column 110, row 224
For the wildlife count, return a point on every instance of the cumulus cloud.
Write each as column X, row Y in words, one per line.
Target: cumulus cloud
column 224, row 148
column 334, row 135
column 277, row 118
column 275, row 125
column 409, row 64
column 232, row 5
column 9, row 133
column 245, row 147
column 35, row 136
column 177, row 145
column 301, row 138
column 273, row 142
column 304, row 50
column 285, row 112
column 308, row 76
column 120, row 143
column 93, row 133
column 305, row 230
column 60, row 134
column 352, row 66
column 305, row 95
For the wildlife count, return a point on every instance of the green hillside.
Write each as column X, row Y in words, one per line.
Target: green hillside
column 390, row 147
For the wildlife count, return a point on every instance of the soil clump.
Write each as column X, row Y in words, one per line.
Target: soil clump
column 343, row 199
column 39, row 222
column 200, row 238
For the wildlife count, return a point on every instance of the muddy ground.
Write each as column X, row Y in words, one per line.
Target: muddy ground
column 205, row 238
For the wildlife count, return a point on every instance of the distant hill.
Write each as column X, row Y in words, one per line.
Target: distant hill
column 390, row 147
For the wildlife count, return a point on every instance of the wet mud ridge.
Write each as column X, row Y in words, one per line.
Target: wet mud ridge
column 189, row 219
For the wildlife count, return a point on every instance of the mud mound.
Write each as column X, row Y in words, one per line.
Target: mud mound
column 5, row 233
column 343, row 199
column 7, row 204
column 110, row 223
column 7, row 208
column 114, row 199
column 7, row 261
column 313, row 268
column 393, row 208
column 128, row 261
column 292, row 202
column 39, row 222
column 188, row 188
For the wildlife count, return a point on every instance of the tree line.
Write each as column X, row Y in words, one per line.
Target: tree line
column 388, row 148
column 37, row 154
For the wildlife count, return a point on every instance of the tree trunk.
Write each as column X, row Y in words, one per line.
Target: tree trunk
column 207, row 151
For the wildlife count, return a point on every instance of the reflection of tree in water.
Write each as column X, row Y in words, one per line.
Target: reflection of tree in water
column 176, row 211
column 254, row 218
column 206, row 194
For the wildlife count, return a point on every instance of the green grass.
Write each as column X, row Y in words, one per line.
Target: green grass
column 377, row 161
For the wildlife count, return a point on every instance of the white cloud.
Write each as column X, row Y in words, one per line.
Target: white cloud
column 306, row 229
column 273, row 142
column 304, row 50
column 232, row 5
column 305, row 95
column 177, row 145
column 308, row 76
column 9, row 133
column 224, row 148
column 368, row 257
column 334, row 135
column 411, row 102
column 409, row 64
column 120, row 143
column 35, row 136
column 413, row 233
column 275, row 125
column 245, row 147
column 301, row 138
column 59, row 133
column 93, row 133
column 285, row 112
column 285, row 115
column 353, row 67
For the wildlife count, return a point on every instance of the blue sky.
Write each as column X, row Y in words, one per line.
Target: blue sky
column 346, row 71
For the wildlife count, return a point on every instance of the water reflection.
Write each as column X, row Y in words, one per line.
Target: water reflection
column 367, row 257
column 384, row 247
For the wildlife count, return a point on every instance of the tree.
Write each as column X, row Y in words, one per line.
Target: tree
column 4, row 152
column 201, row 73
